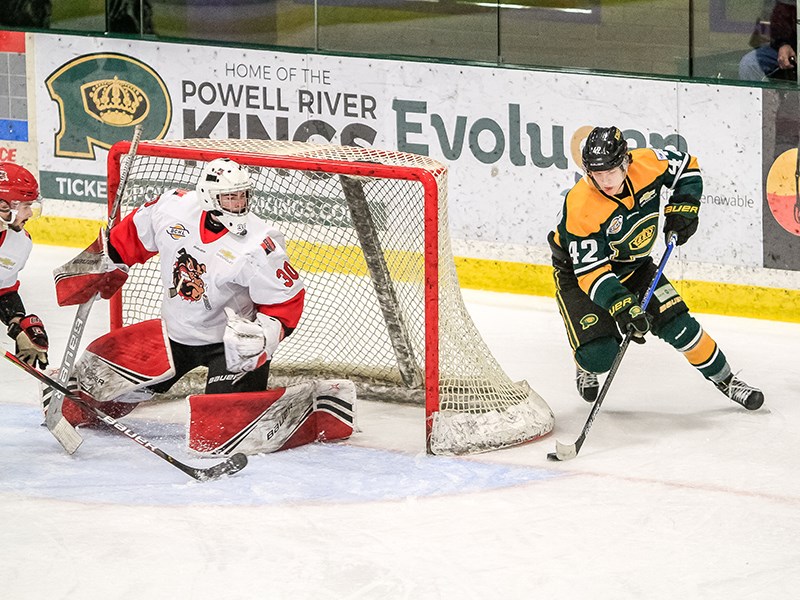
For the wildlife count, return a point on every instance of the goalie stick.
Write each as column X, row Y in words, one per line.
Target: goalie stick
column 62, row 430
column 232, row 465
column 569, row 451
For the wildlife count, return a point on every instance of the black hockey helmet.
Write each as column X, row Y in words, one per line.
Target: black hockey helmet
column 605, row 149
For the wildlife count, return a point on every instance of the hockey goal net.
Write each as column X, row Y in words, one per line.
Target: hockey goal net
column 368, row 231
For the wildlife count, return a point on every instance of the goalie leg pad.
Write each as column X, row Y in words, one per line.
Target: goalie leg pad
column 271, row 420
column 79, row 416
column 117, row 365
column 335, row 409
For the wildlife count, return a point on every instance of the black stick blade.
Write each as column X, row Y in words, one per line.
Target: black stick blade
column 232, row 465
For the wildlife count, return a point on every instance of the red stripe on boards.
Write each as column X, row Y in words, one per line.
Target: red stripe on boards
column 12, row 41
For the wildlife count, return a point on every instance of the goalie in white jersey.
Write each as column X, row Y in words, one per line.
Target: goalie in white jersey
column 19, row 202
column 230, row 295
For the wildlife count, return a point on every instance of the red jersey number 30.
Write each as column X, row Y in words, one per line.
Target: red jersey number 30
column 287, row 274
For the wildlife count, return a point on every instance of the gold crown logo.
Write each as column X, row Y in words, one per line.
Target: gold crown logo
column 641, row 240
column 115, row 102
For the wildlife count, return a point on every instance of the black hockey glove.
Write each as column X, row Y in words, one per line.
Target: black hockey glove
column 631, row 318
column 31, row 339
column 682, row 218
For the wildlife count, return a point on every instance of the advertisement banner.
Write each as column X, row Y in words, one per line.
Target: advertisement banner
column 511, row 138
column 781, row 174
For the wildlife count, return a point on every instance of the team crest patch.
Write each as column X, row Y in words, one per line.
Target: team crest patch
column 615, row 226
column 177, row 232
column 643, row 239
column 187, row 280
column 588, row 321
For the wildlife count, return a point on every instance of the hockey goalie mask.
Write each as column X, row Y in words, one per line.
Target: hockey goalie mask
column 224, row 190
column 18, row 190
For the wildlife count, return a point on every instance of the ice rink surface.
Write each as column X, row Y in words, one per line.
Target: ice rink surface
column 677, row 492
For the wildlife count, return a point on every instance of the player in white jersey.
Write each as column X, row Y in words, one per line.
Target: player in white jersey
column 230, row 294
column 19, row 202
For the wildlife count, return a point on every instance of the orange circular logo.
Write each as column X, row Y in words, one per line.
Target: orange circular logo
column 782, row 191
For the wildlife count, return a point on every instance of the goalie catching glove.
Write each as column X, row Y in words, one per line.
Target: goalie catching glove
column 31, row 340
column 91, row 272
column 250, row 344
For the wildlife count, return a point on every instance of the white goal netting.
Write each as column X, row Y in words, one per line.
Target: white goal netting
column 368, row 232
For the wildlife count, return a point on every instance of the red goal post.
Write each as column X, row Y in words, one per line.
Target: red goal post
column 368, row 231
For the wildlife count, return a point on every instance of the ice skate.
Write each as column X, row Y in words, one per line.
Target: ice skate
column 741, row 393
column 587, row 383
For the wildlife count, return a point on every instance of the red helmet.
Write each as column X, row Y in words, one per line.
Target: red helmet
column 17, row 184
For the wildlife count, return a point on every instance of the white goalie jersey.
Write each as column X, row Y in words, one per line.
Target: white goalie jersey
column 15, row 248
column 204, row 271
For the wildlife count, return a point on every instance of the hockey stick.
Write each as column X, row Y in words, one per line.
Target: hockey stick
column 123, row 175
column 231, row 465
column 569, row 451
column 61, row 429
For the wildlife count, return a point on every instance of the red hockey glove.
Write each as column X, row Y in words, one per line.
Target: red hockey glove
column 31, row 339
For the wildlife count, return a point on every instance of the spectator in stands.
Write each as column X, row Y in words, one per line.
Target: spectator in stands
column 26, row 13
column 776, row 60
column 129, row 16
column 122, row 16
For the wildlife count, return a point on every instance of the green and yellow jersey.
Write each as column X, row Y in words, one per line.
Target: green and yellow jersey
column 608, row 237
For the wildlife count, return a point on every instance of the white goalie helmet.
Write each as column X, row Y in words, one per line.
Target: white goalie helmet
column 224, row 189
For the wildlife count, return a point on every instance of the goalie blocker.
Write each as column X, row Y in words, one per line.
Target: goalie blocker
column 113, row 374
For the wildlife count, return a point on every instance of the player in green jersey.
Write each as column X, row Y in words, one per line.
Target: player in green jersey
column 601, row 254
